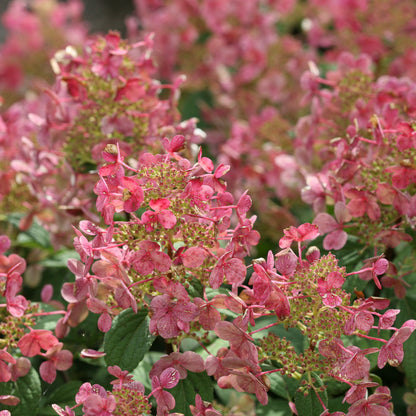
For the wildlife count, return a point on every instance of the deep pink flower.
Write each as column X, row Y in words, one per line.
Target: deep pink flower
column 208, row 314
column 336, row 237
column 378, row 404
column 170, row 316
column 16, row 305
column 123, row 377
column 286, row 262
column 182, row 362
column 132, row 194
column 58, row 359
column 98, row 306
column 174, row 145
column 5, row 371
column 160, row 215
column 8, row 400
column 362, row 320
column 31, row 343
column 233, row 269
column 378, row 268
column 362, row 202
column 387, row 319
column 63, row 412
column 356, row 366
column 168, row 379
column 240, row 341
column 392, row 351
column 20, row 368
column 243, row 380
column 203, row 408
column 149, row 257
column 358, row 392
column 194, row 257
column 334, row 280
column 4, row 243
column 299, row 234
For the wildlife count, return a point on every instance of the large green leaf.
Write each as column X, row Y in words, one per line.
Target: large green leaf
column 28, row 390
column 63, row 396
column 141, row 372
column 185, row 391
column 275, row 407
column 278, row 385
column 35, row 236
column 46, row 321
column 408, row 311
column 307, row 402
column 128, row 340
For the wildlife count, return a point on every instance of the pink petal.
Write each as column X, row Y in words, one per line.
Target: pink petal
column 167, row 219
column 47, row 371
column 169, row 378
column 104, row 322
column 335, row 240
column 341, row 212
column 194, row 257
column 325, row 222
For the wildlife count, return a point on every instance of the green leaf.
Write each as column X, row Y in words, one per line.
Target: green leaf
column 63, row 396
column 335, row 404
column 335, row 388
column 409, row 361
column 408, row 311
column 35, row 236
column 141, row 372
column 86, row 334
column 28, row 390
column 275, row 407
column 185, row 391
column 47, row 321
column 60, row 258
column 291, row 334
column 128, row 340
column 213, row 348
column 306, row 401
column 278, row 385
column 195, row 288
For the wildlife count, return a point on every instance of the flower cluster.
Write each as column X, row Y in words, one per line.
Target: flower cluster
column 104, row 94
column 252, row 73
column 369, row 173
column 17, row 315
column 35, row 31
column 152, row 258
column 165, row 285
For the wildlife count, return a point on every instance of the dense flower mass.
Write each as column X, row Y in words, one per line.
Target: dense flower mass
column 148, row 266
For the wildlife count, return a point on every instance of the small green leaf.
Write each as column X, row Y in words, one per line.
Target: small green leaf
column 307, row 402
column 128, row 340
column 195, row 288
column 28, row 390
column 185, row 391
